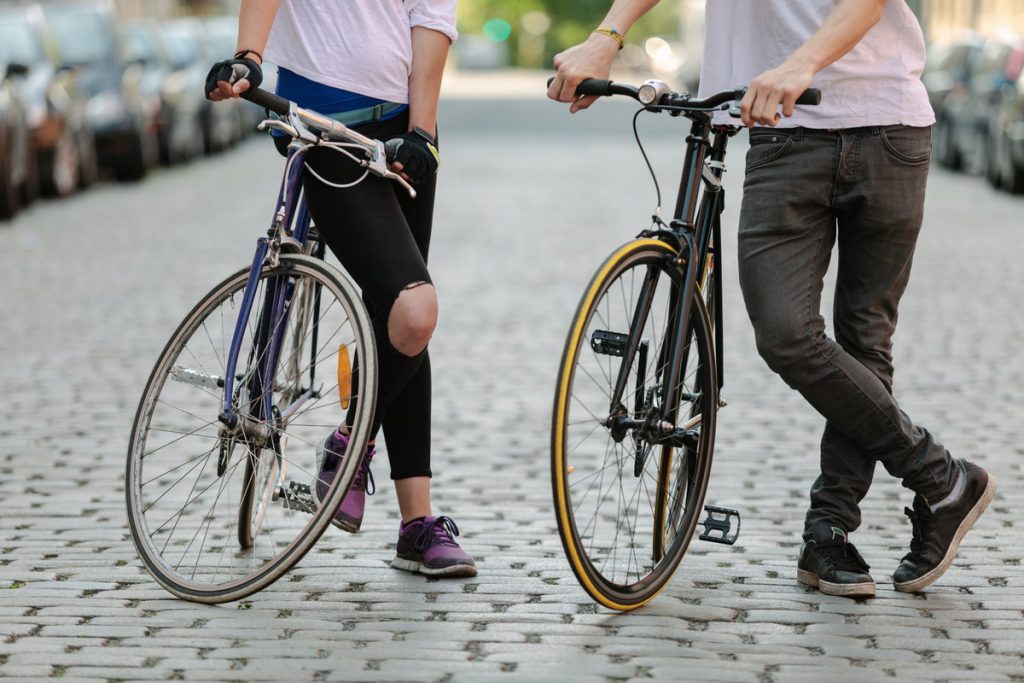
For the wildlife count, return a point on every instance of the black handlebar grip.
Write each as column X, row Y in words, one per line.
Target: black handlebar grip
column 594, row 86
column 810, row 96
column 267, row 100
column 590, row 86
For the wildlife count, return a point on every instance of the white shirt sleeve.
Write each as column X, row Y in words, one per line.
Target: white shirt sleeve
column 438, row 15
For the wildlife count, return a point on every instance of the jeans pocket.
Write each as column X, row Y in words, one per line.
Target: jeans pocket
column 907, row 144
column 766, row 146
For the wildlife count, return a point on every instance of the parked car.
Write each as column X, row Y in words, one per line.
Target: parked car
column 1006, row 127
column 124, row 126
column 967, row 110
column 15, row 145
column 189, row 57
column 62, row 141
column 945, row 76
column 179, row 106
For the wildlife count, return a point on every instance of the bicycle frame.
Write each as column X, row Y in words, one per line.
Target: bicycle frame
column 289, row 231
column 695, row 232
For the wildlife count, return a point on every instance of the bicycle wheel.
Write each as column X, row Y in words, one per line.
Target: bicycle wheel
column 629, row 473
column 218, row 513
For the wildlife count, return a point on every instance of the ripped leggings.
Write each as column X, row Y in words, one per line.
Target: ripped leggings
column 381, row 237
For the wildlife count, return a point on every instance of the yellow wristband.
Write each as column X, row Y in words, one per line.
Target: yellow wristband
column 611, row 33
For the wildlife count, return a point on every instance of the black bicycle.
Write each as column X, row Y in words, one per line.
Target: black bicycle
column 637, row 397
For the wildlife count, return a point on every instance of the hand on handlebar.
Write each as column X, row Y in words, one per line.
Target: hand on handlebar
column 232, row 77
column 413, row 156
column 779, row 86
column 590, row 59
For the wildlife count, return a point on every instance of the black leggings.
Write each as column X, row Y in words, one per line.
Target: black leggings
column 381, row 236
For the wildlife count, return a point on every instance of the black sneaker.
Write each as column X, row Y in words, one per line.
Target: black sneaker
column 937, row 535
column 830, row 563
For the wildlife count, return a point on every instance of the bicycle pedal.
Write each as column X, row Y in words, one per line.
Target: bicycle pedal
column 718, row 526
column 298, row 497
column 608, row 343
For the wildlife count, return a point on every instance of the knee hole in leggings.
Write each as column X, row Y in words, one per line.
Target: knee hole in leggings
column 411, row 332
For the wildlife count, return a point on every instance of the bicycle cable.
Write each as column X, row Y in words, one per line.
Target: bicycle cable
column 337, row 147
column 650, row 168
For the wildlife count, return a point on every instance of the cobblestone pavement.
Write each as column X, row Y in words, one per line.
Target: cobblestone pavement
column 531, row 201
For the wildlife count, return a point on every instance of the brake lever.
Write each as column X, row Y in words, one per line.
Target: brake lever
column 378, row 165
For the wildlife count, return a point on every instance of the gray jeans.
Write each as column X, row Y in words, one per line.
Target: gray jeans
column 804, row 189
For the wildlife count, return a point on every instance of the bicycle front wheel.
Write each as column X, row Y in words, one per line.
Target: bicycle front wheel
column 220, row 508
column 631, row 446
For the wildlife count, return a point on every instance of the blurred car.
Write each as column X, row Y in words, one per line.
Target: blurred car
column 15, row 145
column 61, row 138
column 123, row 124
column 946, row 72
column 191, row 62
column 1006, row 128
column 968, row 109
column 178, row 106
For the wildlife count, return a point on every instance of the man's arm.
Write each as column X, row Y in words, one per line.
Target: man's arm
column 593, row 57
column 255, row 17
column 844, row 27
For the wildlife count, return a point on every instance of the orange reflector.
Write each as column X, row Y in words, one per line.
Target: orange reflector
column 570, row 469
column 344, row 377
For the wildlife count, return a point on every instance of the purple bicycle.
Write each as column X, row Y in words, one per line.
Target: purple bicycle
column 222, row 460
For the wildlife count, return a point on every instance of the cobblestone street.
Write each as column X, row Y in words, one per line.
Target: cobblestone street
column 531, row 200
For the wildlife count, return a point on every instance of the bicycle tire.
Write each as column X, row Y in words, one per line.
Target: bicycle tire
column 590, row 547
column 169, row 381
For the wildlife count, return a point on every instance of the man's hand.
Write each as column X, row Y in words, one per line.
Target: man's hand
column 781, row 85
column 590, row 59
column 232, row 77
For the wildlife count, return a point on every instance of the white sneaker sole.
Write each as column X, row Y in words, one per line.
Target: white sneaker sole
column 925, row 580
column 454, row 571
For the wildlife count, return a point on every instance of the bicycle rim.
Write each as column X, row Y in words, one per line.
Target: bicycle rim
column 217, row 515
column 626, row 502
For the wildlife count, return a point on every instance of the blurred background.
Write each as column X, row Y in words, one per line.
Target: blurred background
column 112, row 89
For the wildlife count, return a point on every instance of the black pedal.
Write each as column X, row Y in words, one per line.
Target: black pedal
column 718, row 527
column 608, row 343
column 298, row 497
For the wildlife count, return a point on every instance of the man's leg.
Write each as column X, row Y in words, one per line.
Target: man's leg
column 784, row 309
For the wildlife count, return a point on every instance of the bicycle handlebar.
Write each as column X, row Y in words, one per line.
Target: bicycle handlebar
column 295, row 120
column 268, row 100
column 602, row 88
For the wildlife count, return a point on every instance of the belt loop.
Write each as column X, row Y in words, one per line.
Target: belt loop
column 798, row 134
column 378, row 111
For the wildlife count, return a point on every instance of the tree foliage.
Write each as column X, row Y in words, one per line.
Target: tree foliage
column 571, row 23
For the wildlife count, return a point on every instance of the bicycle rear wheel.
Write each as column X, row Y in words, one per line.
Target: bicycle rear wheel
column 628, row 500
column 218, row 513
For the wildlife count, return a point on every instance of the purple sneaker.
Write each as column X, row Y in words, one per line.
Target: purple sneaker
column 428, row 546
column 349, row 516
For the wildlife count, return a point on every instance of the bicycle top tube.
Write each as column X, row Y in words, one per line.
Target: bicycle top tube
column 658, row 96
column 314, row 128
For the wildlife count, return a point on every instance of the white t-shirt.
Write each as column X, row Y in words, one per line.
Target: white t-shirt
column 364, row 46
column 877, row 83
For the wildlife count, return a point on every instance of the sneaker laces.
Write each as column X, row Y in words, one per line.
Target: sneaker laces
column 441, row 530
column 364, row 477
column 843, row 556
column 920, row 522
